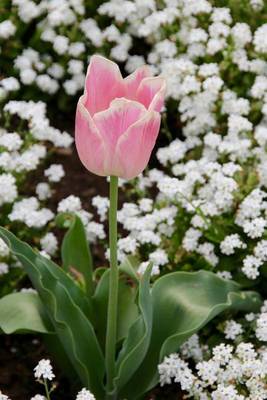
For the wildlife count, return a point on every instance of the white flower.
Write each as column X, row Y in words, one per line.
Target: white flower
column 43, row 191
column 102, row 206
column 28, row 211
column 127, row 245
column 241, row 34
column 10, row 84
column 224, row 274
column 174, row 368
column 260, row 250
column 4, row 249
column 85, row 395
column 70, row 87
column 230, row 243
column 158, row 257
column 8, row 192
column 255, row 228
column 7, row 29
column 69, row 204
column 60, row 44
column 143, row 266
column 95, row 231
column 44, row 370
column 11, row 141
column 207, row 251
column 3, row 396
column 146, row 205
column 49, row 243
column 232, row 329
column 260, row 39
column 47, row 84
column 261, row 328
column 228, row 392
column 208, row 370
column 251, row 266
column 54, row 173
column 38, row 397
column 4, row 268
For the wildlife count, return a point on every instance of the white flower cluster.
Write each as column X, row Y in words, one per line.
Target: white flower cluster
column 72, row 204
column 44, row 370
column 216, row 170
column 3, row 396
column 145, row 226
column 85, row 395
column 26, row 141
column 234, row 373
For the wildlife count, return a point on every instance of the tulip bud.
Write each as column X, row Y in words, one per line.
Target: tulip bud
column 118, row 120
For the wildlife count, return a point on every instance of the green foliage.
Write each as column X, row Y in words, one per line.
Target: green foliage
column 75, row 252
column 23, row 312
column 152, row 324
column 68, row 309
column 182, row 304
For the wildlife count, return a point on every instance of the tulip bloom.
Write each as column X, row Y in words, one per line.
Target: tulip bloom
column 118, row 120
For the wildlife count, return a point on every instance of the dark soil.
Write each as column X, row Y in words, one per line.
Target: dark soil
column 19, row 355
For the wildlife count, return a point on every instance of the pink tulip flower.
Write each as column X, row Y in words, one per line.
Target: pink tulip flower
column 118, row 120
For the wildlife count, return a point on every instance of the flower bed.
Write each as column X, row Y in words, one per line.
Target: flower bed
column 200, row 206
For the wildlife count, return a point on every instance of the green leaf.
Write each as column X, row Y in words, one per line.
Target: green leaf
column 76, row 253
column 23, row 312
column 67, row 307
column 129, row 267
column 127, row 309
column 182, row 304
column 137, row 342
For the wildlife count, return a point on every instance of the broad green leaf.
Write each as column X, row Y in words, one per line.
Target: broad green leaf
column 23, row 312
column 129, row 267
column 137, row 342
column 182, row 304
column 76, row 253
column 127, row 309
column 66, row 306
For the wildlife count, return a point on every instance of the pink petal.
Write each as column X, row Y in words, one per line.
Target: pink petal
column 151, row 93
column 103, row 83
column 115, row 121
column 133, row 81
column 90, row 146
column 135, row 146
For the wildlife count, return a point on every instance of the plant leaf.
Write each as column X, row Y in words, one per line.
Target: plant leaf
column 76, row 253
column 182, row 304
column 137, row 342
column 23, row 312
column 66, row 306
column 127, row 309
column 129, row 267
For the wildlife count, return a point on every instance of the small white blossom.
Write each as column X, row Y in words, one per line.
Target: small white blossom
column 84, row 394
column 44, row 370
column 232, row 329
column 54, row 173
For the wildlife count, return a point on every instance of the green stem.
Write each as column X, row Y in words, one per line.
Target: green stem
column 113, row 287
column 46, row 390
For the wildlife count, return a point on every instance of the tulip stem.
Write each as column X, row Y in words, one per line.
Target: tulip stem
column 111, row 334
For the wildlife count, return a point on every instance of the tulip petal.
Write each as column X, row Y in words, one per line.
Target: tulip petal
column 90, row 146
column 133, row 81
column 103, row 83
column 135, row 146
column 115, row 121
column 151, row 93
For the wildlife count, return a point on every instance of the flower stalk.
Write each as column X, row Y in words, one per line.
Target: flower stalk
column 111, row 334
